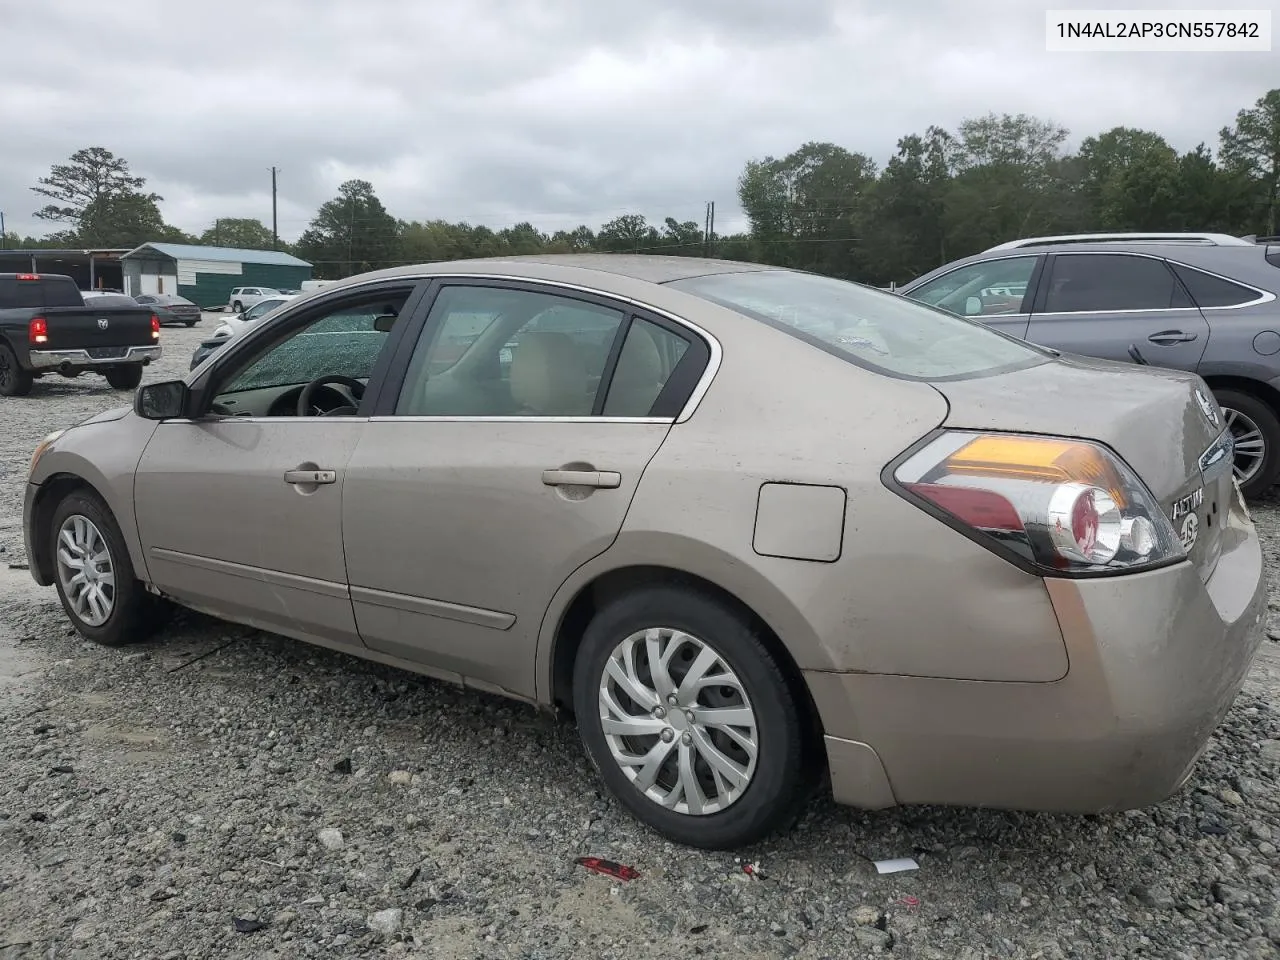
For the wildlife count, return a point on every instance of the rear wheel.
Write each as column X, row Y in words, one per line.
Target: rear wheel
column 125, row 378
column 94, row 574
column 689, row 719
column 14, row 381
column 1256, row 431
column 237, row 307
column 191, row 323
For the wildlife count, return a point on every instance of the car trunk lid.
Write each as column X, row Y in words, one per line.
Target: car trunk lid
column 1164, row 423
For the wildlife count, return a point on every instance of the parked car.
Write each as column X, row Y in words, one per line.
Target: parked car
column 108, row 298
column 1200, row 302
column 233, row 325
column 48, row 326
column 752, row 527
column 244, row 297
column 171, row 308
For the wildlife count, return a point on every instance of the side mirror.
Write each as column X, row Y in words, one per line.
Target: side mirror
column 384, row 322
column 972, row 306
column 167, row 400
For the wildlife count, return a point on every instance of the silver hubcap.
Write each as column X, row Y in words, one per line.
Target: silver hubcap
column 85, row 570
column 1251, row 447
column 678, row 721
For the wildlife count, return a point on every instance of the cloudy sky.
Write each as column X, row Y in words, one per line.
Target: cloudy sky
column 555, row 111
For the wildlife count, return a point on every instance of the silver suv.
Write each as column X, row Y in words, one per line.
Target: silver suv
column 1202, row 302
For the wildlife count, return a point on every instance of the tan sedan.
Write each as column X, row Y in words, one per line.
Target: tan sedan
column 756, row 529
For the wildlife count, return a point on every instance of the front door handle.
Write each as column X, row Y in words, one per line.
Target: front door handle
column 310, row 476
column 603, row 479
column 1172, row 336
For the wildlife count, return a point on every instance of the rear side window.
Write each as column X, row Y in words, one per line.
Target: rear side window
column 1103, row 283
column 1210, row 291
column 884, row 332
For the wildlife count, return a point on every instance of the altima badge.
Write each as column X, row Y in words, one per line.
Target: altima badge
column 1206, row 406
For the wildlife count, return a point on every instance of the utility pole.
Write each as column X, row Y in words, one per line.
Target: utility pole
column 706, row 231
column 3, row 239
column 351, row 229
column 275, row 223
column 711, row 228
column 217, row 232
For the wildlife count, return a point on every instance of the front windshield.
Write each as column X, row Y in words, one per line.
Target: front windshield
column 881, row 331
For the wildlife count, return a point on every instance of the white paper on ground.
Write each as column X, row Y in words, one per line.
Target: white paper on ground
column 896, row 866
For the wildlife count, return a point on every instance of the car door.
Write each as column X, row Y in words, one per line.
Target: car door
column 997, row 291
column 239, row 507
column 507, row 458
column 1111, row 304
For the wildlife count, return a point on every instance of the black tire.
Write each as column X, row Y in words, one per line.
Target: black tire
column 237, row 307
column 1268, row 425
column 135, row 614
column 190, row 323
column 14, row 381
column 125, row 378
column 784, row 774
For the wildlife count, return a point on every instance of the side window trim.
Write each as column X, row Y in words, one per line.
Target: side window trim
column 204, row 387
column 1042, row 294
column 701, row 352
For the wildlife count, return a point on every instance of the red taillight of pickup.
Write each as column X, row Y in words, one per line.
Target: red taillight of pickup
column 38, row 330
column 155, row 327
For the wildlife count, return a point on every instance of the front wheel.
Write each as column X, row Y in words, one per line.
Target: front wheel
column 237, row 307
column 1256, row 431
column 94, row 574
column 689, row 718
column 125, row 378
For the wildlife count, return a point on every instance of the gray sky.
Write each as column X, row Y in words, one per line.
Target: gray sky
column 555, row 111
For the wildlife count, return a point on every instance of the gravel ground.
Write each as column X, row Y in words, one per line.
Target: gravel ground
column 226, row 793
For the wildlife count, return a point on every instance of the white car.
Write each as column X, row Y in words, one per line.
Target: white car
column 244, row 297
column 236, row 324
column 239, row 320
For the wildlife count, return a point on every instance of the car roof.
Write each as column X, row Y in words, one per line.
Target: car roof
column 1246, row 263
column 570, row 268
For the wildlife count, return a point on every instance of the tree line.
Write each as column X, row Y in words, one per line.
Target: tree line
column 823, row 207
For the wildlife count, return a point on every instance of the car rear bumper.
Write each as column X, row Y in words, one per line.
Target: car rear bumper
column 1156, row 660
column 84, row 359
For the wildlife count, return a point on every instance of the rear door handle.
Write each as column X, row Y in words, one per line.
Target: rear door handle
column 1172, row 336
column 310, row 476
column 604, row 479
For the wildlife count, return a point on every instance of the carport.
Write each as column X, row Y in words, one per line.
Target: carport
column 91, row 269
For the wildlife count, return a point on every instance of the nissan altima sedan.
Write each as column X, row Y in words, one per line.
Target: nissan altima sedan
column 755, row 529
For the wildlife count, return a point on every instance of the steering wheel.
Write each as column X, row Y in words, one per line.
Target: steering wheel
column 305, row 405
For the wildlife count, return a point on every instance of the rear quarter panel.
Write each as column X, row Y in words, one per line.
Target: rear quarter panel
column 1243, row 342
column 907, row 595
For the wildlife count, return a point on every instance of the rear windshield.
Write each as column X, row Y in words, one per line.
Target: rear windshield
column 881, row 331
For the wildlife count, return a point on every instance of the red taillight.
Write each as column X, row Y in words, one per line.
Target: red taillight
column 28, row 276
column 981, row 509
column 1065, row 505
column 38, row 330
column 155, row 327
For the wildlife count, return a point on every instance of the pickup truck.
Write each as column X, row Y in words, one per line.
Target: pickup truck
column 47, row 327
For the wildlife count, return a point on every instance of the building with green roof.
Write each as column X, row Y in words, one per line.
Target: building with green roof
column 207, row 275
